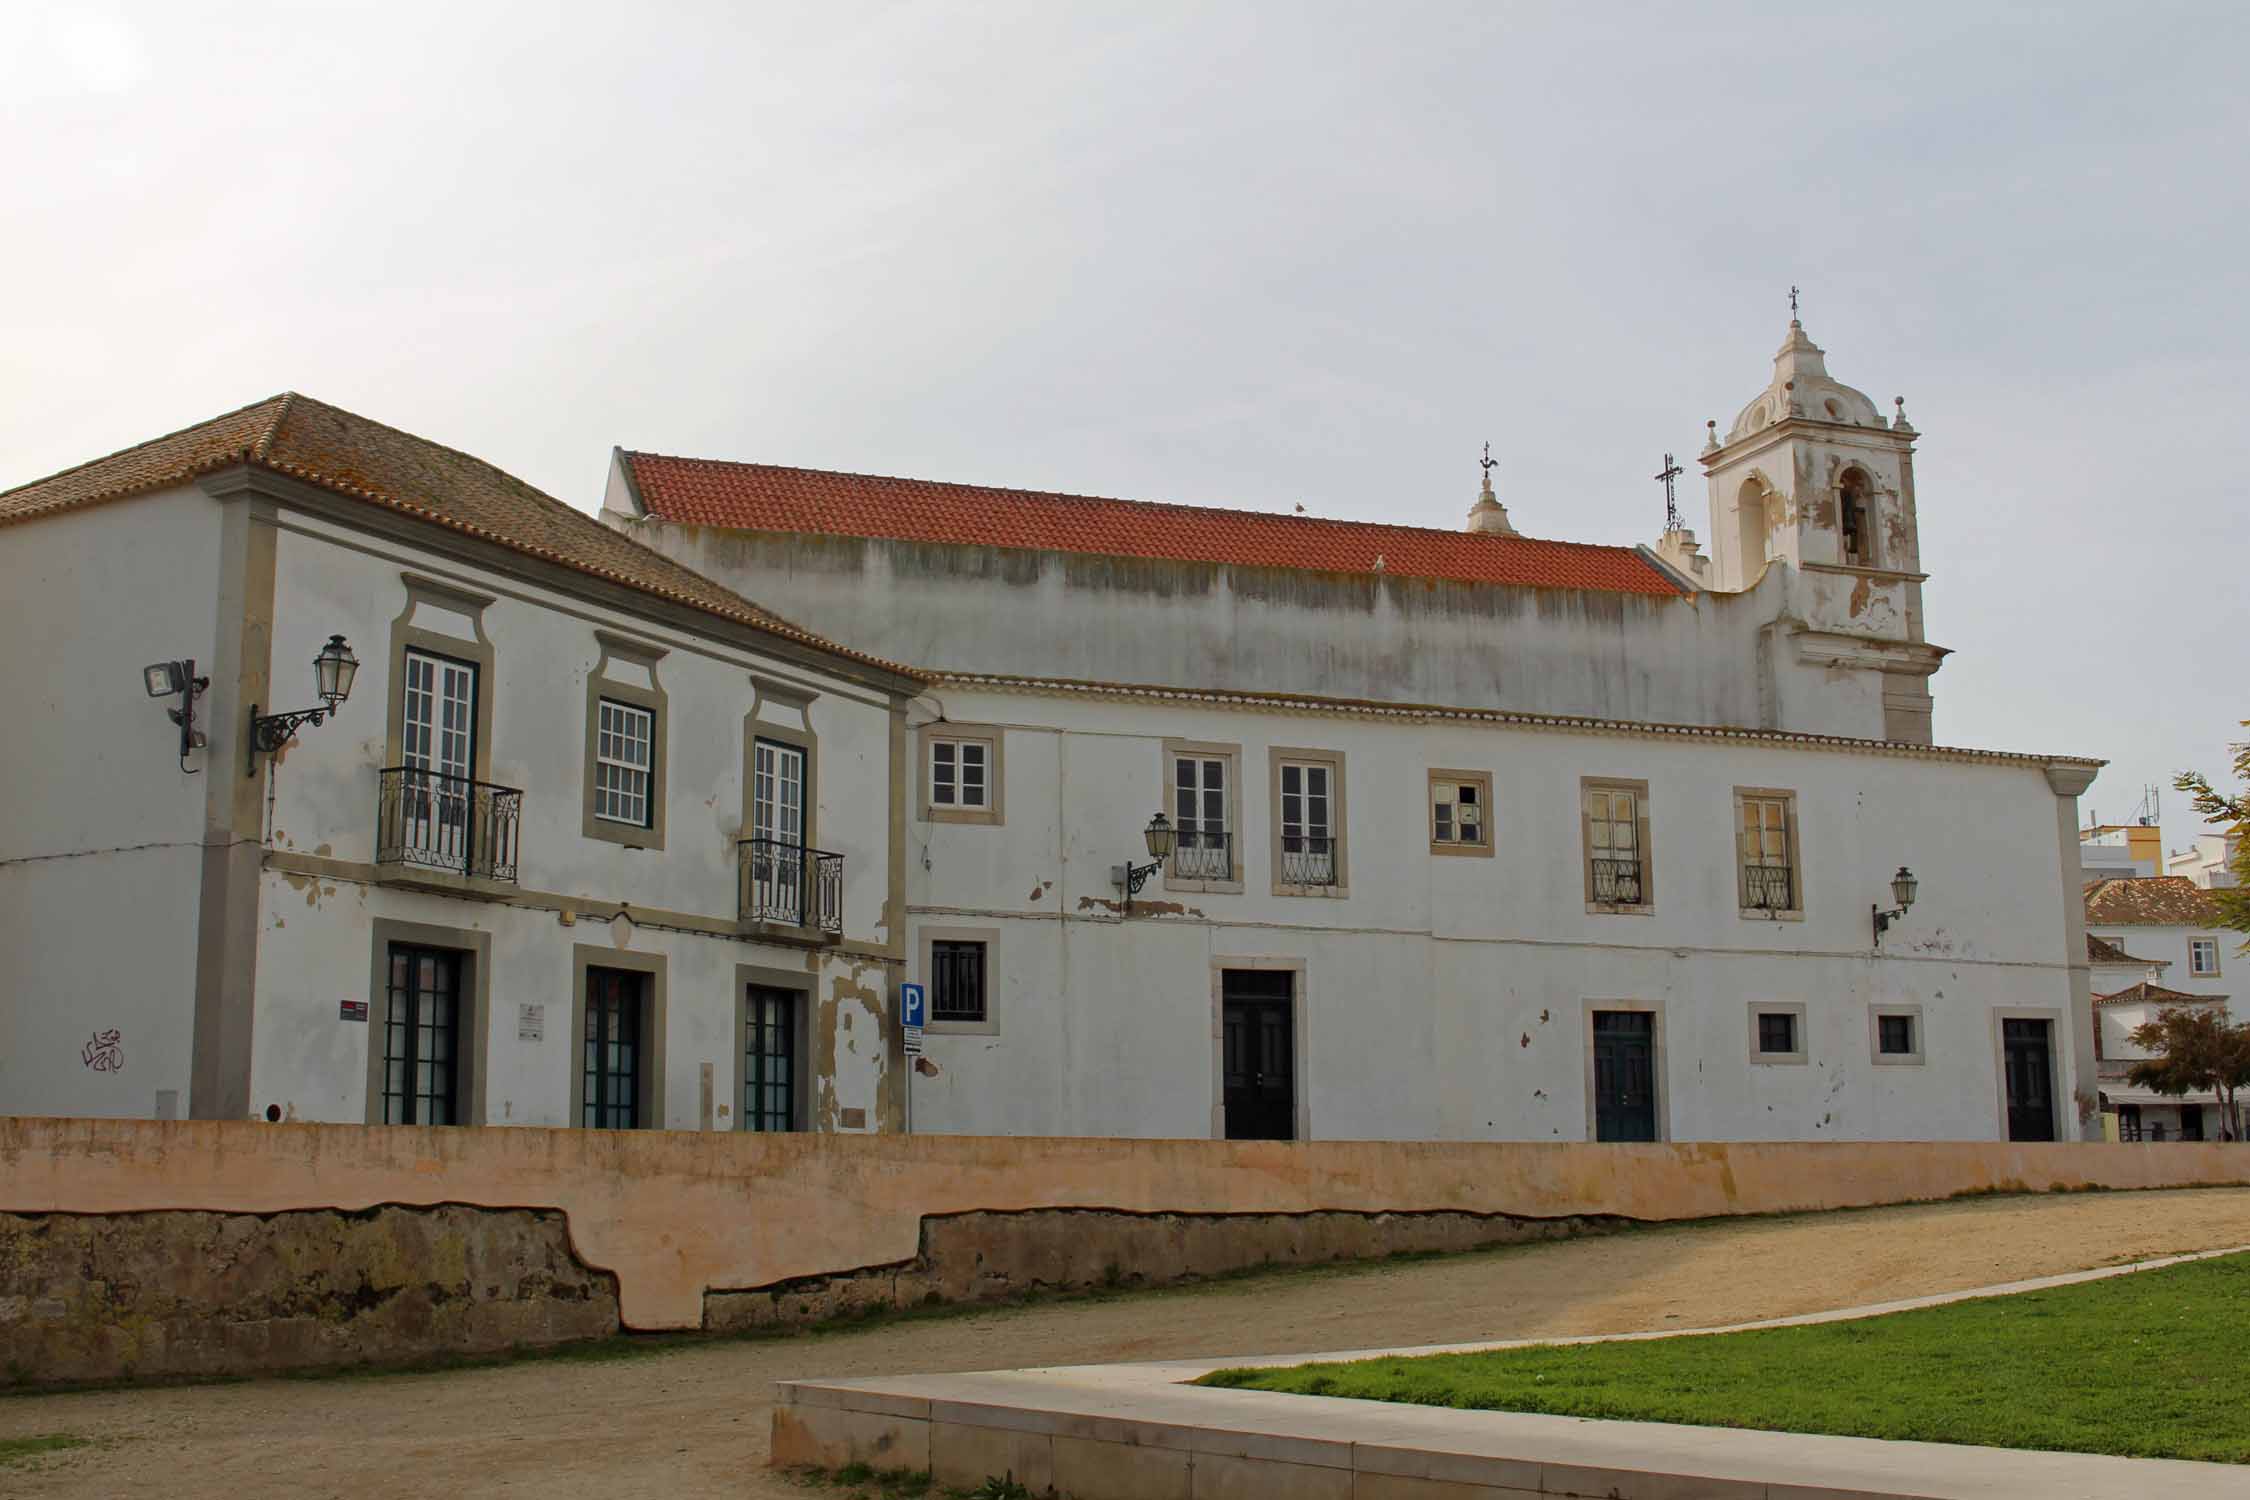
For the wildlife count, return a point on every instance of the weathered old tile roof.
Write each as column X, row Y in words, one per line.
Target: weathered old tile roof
column 771, row 498
column 2145, row 993
column 2103, row 951
column 2152, row 901
column 350, row 455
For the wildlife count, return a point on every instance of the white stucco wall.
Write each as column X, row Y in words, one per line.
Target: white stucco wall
column 314, row 946
column 1447, row 997
column 1706, row 659
column 101, row 831
column 2156, row 943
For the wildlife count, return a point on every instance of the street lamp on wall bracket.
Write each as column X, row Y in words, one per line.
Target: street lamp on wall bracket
column 333, row 671
column 1159, row 836
column 1903, row 886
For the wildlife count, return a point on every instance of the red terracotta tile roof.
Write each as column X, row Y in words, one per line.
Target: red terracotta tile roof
column 768, row 497
column 2145, row 993
column 2103, row 951
column 2152, row 901
column 336, row 450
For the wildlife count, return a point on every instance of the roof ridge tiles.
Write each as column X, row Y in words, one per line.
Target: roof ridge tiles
column 783, row 498
column 163, row 437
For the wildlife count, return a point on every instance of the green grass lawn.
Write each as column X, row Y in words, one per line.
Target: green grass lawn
column 2151, row 1365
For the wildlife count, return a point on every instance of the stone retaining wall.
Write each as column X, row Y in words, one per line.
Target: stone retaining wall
column 195, row 1247
column 103, row 1296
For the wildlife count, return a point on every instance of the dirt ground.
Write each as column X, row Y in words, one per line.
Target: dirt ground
column 693, row 1420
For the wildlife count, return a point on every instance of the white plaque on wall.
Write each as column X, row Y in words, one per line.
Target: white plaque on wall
column 531, row 1022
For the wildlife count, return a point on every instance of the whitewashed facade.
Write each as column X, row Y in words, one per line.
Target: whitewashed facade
column 560, row 801
column 1383, row 985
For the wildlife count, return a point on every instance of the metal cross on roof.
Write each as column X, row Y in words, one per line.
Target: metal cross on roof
column 1667, row 474
column 1488, row 463
column 1792, row 303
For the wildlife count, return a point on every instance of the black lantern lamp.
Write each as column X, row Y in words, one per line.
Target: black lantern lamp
column 1903, row 886
column 1160, row 838
column 333, row 671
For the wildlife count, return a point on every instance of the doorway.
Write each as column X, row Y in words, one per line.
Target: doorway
column 1258, row 1053
column 1624, row 1075
column 2026, row 1061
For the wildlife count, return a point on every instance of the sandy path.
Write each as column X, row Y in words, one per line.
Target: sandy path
column 694, row 1421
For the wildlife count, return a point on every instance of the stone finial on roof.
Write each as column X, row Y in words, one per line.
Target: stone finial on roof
column 1899, row 423
column 1711, row 436
column 1488, row 515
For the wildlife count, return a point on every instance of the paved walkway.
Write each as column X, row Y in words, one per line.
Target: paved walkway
column 694, row 1420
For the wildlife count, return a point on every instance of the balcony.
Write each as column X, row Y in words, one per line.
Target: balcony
column 1202, row 854
column 1617, row 882
column 1307, row 861
column 446, row 831
column 1768, row 888
column 790, row 893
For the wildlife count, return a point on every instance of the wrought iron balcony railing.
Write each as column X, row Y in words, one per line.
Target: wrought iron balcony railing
column 788, row 885
column 1768, row 888
column 429, row 820
column 1617, row 882
column 1306, row 860
column 1202, row 854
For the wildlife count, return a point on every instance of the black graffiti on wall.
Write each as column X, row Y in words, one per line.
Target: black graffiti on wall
column 105, row 1053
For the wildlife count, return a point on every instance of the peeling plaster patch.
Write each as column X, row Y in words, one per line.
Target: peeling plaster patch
column 1862, row 591
column 1140, row 908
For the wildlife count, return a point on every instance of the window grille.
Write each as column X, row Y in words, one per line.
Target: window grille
column 1777, row 1031
column 957, row 981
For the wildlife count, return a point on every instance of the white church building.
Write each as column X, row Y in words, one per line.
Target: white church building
column 1236, row 824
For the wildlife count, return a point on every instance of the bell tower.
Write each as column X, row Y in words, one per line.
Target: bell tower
column 1812, row 499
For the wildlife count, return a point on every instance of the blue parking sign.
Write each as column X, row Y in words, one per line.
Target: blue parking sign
column 913, row 1005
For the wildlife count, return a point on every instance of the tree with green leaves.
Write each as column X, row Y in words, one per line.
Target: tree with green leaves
column 2233, row 815
column 2194, row 1048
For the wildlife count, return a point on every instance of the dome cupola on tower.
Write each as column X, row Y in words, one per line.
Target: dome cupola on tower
column 1802, row 387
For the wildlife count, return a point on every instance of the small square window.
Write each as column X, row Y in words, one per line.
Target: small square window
column 1460, row 812
column 2203, row 957
column 1777, row 1031
column 958, row 774
column 1894, row 1036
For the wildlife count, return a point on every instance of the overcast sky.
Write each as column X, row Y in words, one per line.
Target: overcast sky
column 1257, row 255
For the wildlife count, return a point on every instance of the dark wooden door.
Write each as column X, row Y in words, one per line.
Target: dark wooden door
column 611, row 1095
column 1258, row 1054
column 769, row 1059
column 2031, row 1093
column 1624, row 1075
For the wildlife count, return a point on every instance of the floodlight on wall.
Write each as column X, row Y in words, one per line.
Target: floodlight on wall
column 163, row 679
column 1160, row 837
column 333, row 671
column 1903, row 886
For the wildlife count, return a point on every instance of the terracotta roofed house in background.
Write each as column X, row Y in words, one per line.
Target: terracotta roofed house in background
column 815, row 502
column 2158, row 901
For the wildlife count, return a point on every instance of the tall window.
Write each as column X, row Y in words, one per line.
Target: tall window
column 624, row 744
column 610, row 1093
column 1616, row 856
column 957, row 979
column 1308, row 824
column 1203, row 846
column 1768, row 876
column 1456, row 812
column 769, row 1059
column 777, row 803
column 2203, row 957
column 422, row 1037
column 1857, row 519
column 437, row 747
column 960, row 775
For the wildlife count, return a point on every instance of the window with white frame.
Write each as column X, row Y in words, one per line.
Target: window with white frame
column 2203, row 957
column 1203, row 838
column 1307, row 823
column 1765, row 845
column 624, row 744
column 960, row 775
